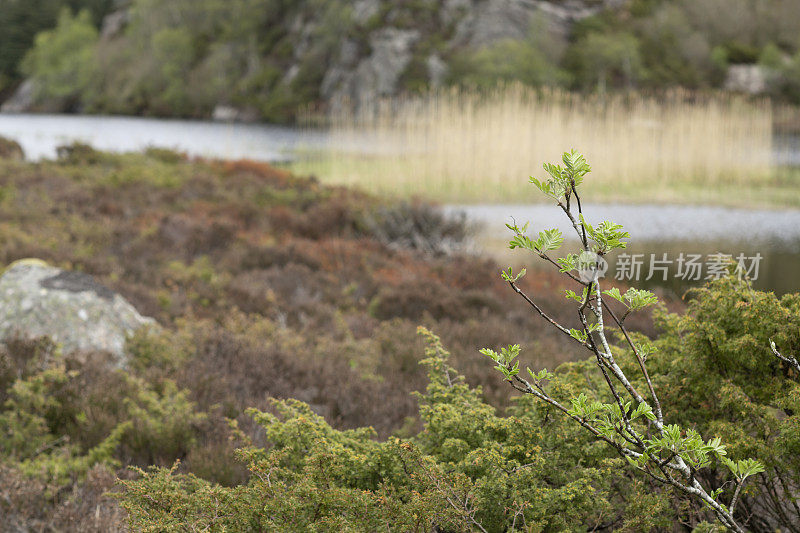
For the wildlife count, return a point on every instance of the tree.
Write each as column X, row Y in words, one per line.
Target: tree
column 606, row 59
column 532, row 61
column 61, row 61
column 631, row 422
column 22, row 20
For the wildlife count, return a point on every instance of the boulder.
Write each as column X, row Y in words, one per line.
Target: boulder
column 70, row 307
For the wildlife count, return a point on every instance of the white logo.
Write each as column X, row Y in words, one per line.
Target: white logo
column 590, row 266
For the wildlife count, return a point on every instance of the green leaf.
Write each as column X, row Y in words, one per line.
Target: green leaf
column 614, row 293
column 578, row 335
column 490, row 353
column 639, row 299
column 568, row 263
column 744, row 468
column 509, row 275
column 549, row 239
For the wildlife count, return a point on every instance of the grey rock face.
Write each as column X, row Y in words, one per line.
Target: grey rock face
column 437, row 70
column 391, row 52
column 69, row 307
column 489, row 21
column 22, row 100
column 376, row 75
column 495, row 20
column 114, row 24
column 363, row 10
column 750, row 79
column 362, row 74
column 341, row 73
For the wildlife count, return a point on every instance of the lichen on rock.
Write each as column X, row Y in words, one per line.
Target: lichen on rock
column 70, row 307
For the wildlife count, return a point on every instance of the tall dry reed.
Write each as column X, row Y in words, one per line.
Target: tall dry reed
column 467, row 145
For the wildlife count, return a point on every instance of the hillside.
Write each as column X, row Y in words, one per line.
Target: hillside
column 267, row 59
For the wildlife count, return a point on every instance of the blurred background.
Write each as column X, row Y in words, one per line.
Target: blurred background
column 673, row 102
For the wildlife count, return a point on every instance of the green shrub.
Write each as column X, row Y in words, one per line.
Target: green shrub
column 27, row 438
column 716, row 370
column 164, row 424
column 467, row 469
column 61, row 61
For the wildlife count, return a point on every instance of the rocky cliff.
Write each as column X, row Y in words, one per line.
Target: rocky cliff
column 403, row 46
column 353, row 51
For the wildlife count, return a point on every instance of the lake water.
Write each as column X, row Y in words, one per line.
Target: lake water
column 670, row 245
column 39, row 136
column 656, row 229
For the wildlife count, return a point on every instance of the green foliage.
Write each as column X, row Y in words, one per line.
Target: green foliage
column 163, row 423
column 783, row 72
column 546, row 241
column 28, row 438
column 607, row 235
column 269, row 58
column 633, row 424
column 61, row 61
column 716, row 369
column 563, row 179
column 633, row 299
column 532, row 61
column 184, row 57
column 603, row 60
column 468, row 468
column 22, row 20
column 264, row 292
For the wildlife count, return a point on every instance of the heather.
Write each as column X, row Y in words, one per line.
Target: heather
column 289, row 387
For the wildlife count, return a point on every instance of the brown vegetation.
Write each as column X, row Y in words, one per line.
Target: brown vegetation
column 268, row 286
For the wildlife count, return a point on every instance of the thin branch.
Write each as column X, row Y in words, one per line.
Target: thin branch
column 544, row 315
column 735, row 498
column 640, row 360
column 786, row 359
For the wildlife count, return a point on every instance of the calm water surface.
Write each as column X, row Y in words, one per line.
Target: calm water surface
column 659, row 235
column 39, row 136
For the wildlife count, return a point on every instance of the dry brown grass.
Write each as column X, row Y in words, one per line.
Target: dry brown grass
column 460, row 145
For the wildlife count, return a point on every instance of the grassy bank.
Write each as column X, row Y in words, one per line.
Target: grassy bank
column 470, row 146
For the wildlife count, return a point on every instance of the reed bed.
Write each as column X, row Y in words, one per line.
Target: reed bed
column 467, row 145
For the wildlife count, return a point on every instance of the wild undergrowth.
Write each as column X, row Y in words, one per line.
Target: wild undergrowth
column 267, row 286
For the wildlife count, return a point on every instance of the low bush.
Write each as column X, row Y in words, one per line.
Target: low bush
column 468, row 469
column 266, row 286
